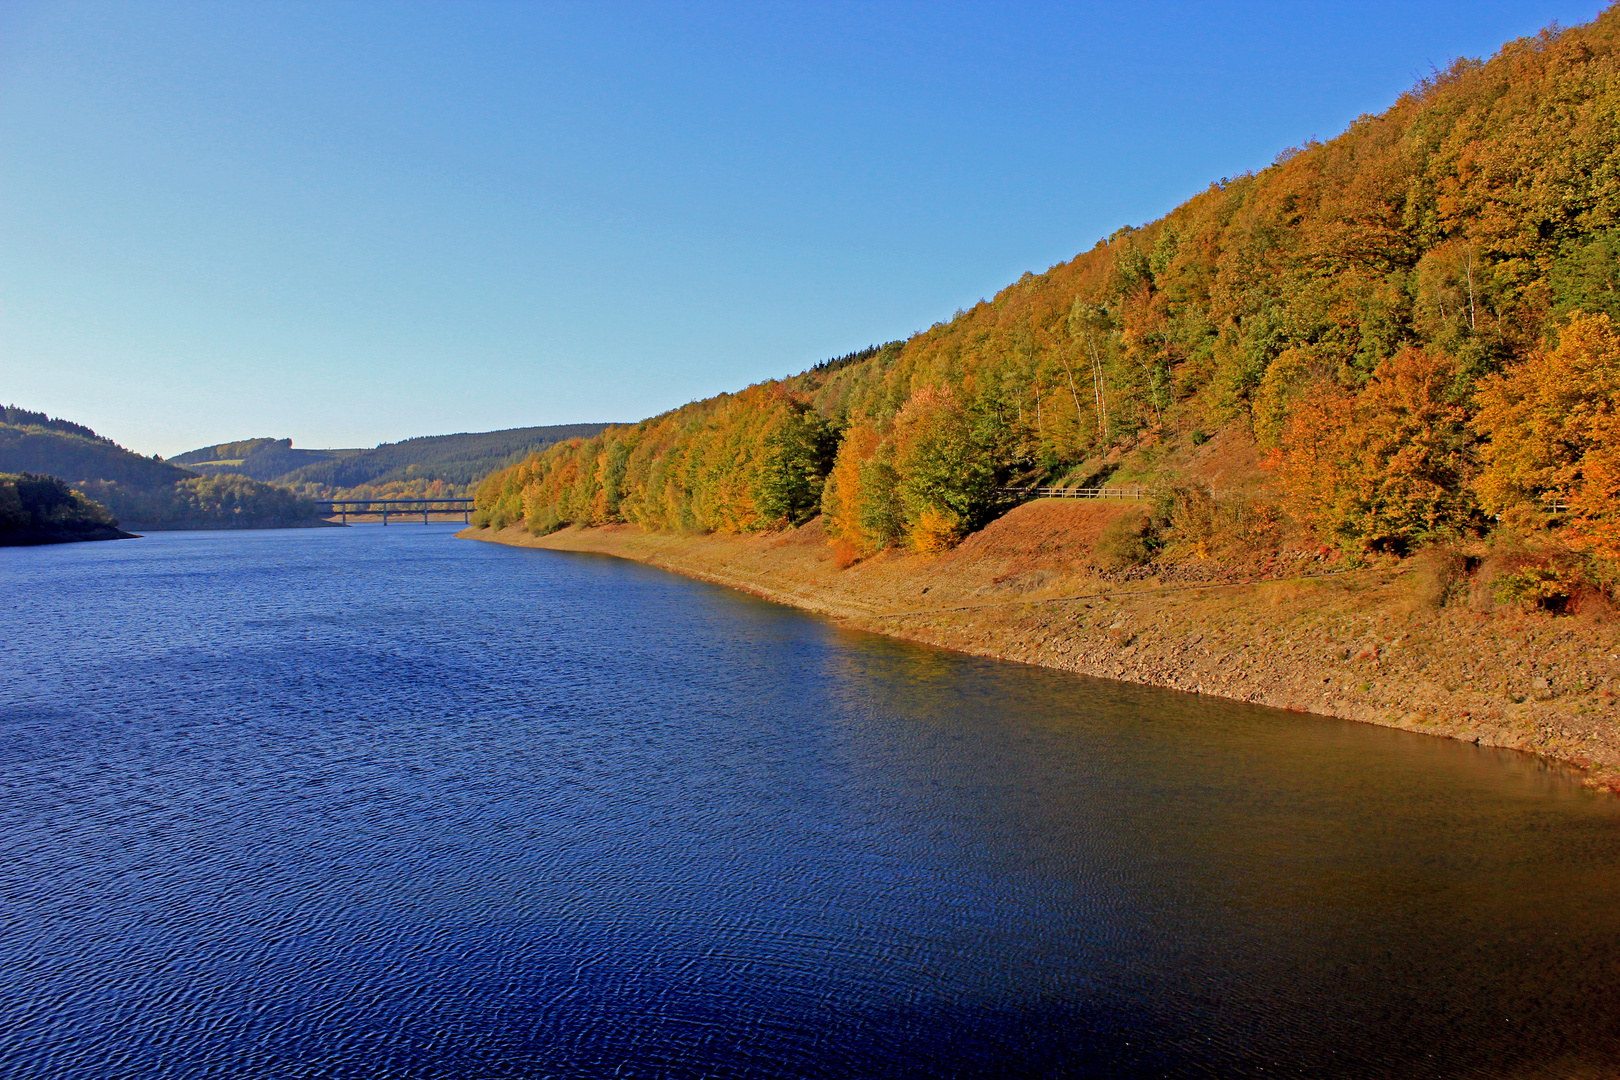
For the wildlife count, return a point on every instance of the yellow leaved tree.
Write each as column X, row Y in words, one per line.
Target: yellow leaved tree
column 1386, row 467
column 1553, row 422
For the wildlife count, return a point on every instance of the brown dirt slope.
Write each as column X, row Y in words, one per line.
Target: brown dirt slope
column 1359, row 644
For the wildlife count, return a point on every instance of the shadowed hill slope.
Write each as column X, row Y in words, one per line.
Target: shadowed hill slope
column 80, row 456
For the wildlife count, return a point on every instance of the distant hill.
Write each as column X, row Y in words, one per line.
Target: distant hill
column 150, row 492
column 259, row 459
column 224, row 453
column 11, row 414
column 430, row 464
column 77, row 454
column 259, row 482
column 459, row 459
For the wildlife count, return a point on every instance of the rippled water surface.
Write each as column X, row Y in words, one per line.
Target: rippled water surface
column 382, row 803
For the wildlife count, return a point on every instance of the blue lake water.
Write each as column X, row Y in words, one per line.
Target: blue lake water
column 382, row 803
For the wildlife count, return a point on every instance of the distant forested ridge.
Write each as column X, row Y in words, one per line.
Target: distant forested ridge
column 44, row 510
column 257, row 459
column 11, row 414
column 1379, row 314
column 458, row 460
column 260, row 482
column 430, row 466
column 207, row 502
column 230, row 453
column 150, row 492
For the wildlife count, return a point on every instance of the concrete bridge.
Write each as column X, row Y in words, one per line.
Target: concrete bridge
column 398, row 507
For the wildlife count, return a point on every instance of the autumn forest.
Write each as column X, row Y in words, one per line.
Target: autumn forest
column 1415, row 326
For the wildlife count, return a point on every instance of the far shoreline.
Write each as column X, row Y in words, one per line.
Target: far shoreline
column 206, row 526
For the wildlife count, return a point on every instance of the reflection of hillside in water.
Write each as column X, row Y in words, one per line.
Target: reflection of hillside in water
column 1322, row 880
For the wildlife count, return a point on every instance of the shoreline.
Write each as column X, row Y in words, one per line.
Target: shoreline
column 215, row 526
column 74, row 533
column 1357, row 645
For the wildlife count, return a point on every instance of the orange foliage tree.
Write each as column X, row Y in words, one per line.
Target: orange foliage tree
column 1553, row 422
column 1387, row 466
column 736, row 463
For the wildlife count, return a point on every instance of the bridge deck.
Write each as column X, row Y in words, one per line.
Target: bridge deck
column 456, row 502
column 342, row 508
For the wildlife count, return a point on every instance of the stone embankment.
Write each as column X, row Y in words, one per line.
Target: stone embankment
column 1362, row 644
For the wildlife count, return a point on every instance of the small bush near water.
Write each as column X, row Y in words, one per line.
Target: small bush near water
column 544, row 521
column 1554, row 580
column 1534, row 575
column 1125, row 542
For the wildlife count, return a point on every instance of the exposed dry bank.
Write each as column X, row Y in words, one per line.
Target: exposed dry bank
column 1362, row 645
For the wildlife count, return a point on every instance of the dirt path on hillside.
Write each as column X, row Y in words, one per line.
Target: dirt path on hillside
column 1358, row 645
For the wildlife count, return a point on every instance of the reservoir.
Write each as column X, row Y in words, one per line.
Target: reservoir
column 369, row 802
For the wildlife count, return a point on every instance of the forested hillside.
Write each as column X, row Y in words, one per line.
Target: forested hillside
column 44, row 510
column 40, row 444
column 1409, row 325
column 11, row 414
column 148, row 491
column 231, row 453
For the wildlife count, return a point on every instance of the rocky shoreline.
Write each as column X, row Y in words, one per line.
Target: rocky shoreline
column 1362, row 644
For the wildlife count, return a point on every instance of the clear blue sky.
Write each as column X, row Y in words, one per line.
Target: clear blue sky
column 349, row 222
